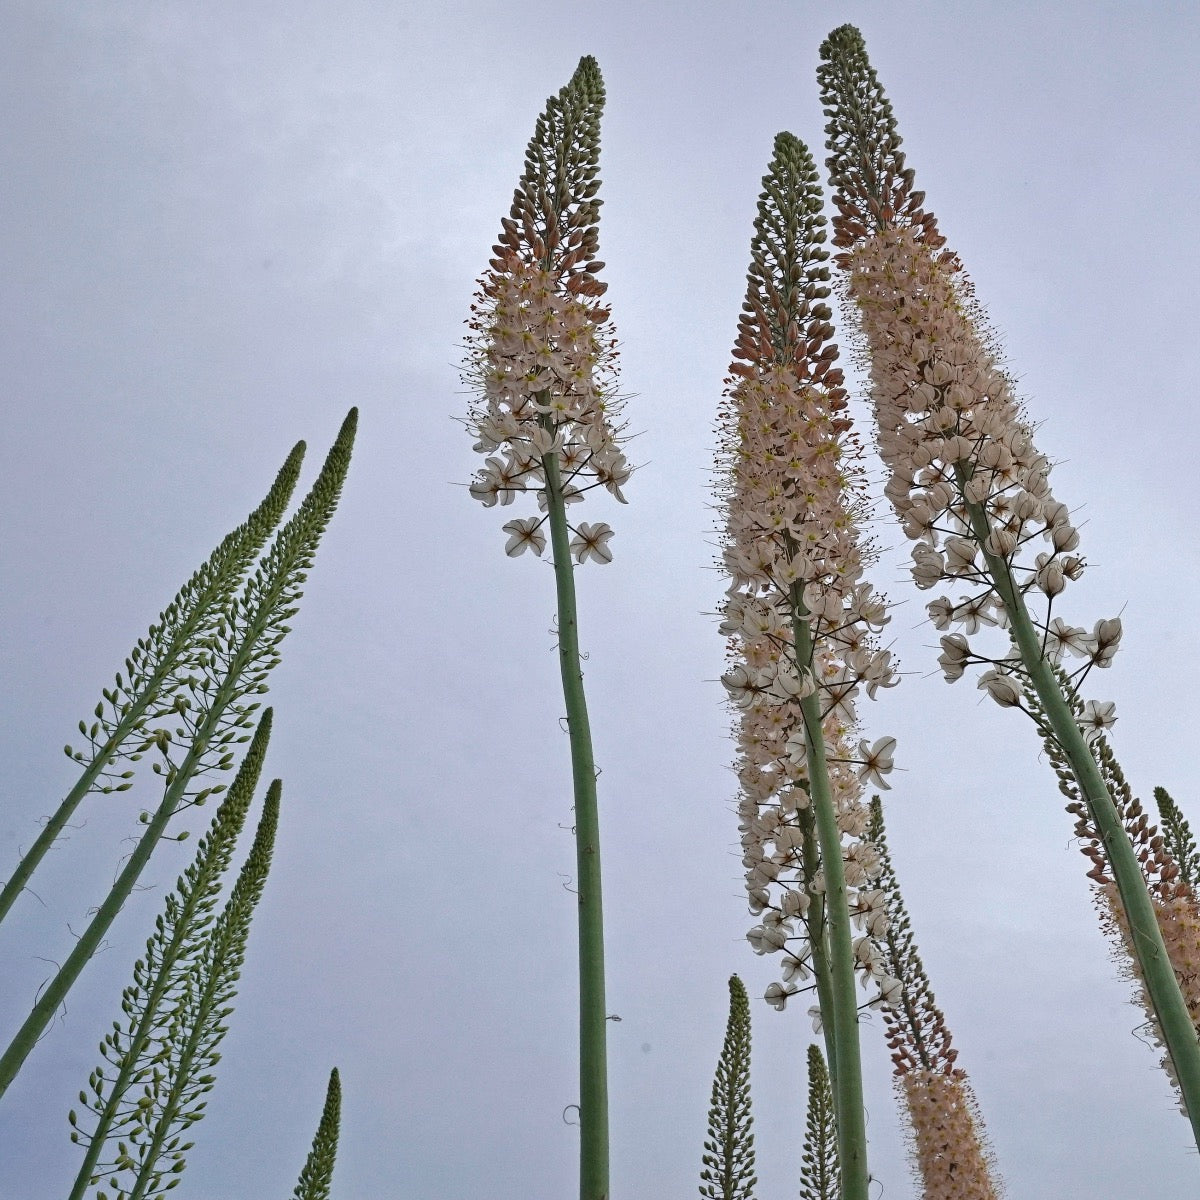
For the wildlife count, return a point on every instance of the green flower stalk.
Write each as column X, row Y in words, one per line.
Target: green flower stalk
column 820, row 1177
column 212, row 707
column 317, row 1176
column 151, row 1159
column 803, row 630
column 728, row 1159
column 949, row 1147
column 970, row 487
column 157, row 669
column 159, row 980
column 543, row 363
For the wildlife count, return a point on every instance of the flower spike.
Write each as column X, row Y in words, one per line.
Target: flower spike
column 949, row 1148
column 820, row 1177
column 728, row 1159
column 540, row 354
column 971, row 489
column 803, row 628
column 542, row 362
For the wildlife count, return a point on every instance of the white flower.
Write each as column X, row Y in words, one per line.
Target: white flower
column 940, row 612
column 815, row 1013
column 1098, row 715
column 591, row 541
column 879, row 673
column 876, row 761
column 956, row 653
column 928, row 566
column 973, row 613
column 570, row 495
column 1101, row 647
column 796, row 748
column 891, row 992
column 794, row 968
column 777, row 995
column 612, row 472
column 1061, row 637
column 742, row 684
column 525, row 535
column 769, row 937
column 871, row 912
column 1002, row 688
column 960, row 556
column 1050, row 575
column 867, row 956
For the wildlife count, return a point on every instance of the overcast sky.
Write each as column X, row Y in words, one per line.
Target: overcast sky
column 223, row 224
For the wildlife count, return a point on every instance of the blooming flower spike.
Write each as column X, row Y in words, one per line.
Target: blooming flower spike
column 969, row 485
column 802, row 624
column 950, row 1151
column 542, row 361
column 540, row 354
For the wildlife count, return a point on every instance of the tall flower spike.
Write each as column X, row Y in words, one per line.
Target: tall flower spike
column 210, row 708
column 728, row 1159
column 803, row 625
column 543, row 364
column 949, row 1147
column 540, row 353
column 316, row 1177
column 969, row 485
column 173, row 1088
column 149, row 1004
column 156, row 670
column 820, row 1178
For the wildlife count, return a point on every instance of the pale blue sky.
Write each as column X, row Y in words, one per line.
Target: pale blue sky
column 223, row 225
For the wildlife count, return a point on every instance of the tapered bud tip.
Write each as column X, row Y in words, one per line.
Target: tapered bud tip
column 588, row 73
column 842, row 39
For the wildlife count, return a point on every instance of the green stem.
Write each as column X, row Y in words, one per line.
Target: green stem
column 1174, row 1021
column 814, row 920
column 848, row 1091
column 593, row 1019
column 129, row 724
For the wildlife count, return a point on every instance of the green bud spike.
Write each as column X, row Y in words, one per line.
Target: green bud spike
column 820, row 1177
column 317, row 1174
column 728, row 1161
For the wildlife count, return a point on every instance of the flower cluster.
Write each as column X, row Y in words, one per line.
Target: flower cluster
column 541, row 356
column 784, row 880
column 1168, row 864
column 1179, row 920
column 947, row 1152
column 949, row 1148
column 801, row 620
column 965, row 478
column 545, row 368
